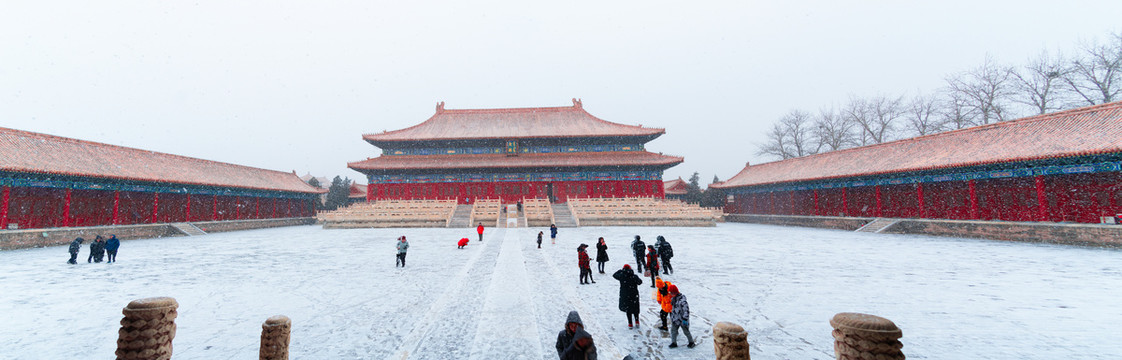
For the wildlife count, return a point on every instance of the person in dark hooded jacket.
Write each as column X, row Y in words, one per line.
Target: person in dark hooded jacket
column 582, row 347
column 652, row 263
column 97, row 250
column 640, row 249
column 75, row 246
column 629, row 293
column 666, row 252
column 565, row 337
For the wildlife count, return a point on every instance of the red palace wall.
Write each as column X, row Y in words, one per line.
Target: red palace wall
column 1072, row 198
column 510, row 192
column 35, row 207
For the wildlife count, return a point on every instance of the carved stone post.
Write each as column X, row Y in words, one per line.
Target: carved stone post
column 863, row 336
column 275, row 334
column 147, row 329
column 730, row 342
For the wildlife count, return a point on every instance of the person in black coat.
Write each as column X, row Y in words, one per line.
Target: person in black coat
column 97, row 250
column 565, row 337
column 640, row 249
column 582, row 347
column 601, row 254
column 75, row 246
column 666, row 252
column 629, row 293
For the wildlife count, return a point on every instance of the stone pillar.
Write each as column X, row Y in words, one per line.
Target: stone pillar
column 730, row 342
column 275, row 334
column 147, row 329
column 863, row 336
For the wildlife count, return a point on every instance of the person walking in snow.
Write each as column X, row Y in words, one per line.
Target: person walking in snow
column 583, row 261
column 111, row 247
column 629, row 293
column 582, row 347
column 540, row 239
column 75, row 246
column 652, row 263
column 662, row 296
column 640, row 249
column 565, row 337
column 402, row 248
column 679, row 317
column 665, row 252
column 601, row 254
column 552, row 233
column 479, row 229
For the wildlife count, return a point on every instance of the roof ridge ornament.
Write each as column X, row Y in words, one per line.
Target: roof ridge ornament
column 577, row 103
column 439, row 107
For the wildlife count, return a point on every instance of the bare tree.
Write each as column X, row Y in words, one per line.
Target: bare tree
column 923, row 115
column 875, row 117
column 790, row 137
column 1096, row 75
column 832, row 130
column 1037, row 85
column 856, row 112
column 955, row 111
column 986, row 89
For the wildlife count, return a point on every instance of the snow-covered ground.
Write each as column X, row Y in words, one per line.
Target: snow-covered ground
column 506, row 299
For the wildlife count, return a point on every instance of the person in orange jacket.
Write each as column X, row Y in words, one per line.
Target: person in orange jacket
column 479, row 229
column 662, row 296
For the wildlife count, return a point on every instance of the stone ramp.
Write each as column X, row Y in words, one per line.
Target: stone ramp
column 876, row 226
column 506, row 324
column 461, row 218
column 188, row 229
column 563, row 216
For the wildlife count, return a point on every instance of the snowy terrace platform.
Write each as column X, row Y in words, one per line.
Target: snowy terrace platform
column 505, row 299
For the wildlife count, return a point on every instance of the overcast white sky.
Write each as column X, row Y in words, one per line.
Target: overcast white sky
column 287, row 85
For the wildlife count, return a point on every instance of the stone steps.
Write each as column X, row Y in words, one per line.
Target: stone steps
column 878, row 225
column 188, row 229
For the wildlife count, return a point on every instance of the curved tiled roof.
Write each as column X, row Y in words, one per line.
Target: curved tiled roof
column 540, row 122
column 1078, row 132
column 28, row 152
column 675, row 187
column 548, row 160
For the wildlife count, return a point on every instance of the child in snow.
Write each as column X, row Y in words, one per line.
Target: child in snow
column 583, row 262
column 552, row 233
column 629, row 293
column 679, row 317
column 539, row 239
column 662, row 296
column 402, row 247
column 463, row 242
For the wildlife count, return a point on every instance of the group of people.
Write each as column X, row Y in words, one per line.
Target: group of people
column 652, row 258
column 99, row 248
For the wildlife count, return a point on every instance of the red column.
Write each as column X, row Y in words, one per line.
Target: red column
column 880, row 206
column 116, row 206
column 238, row 208
column 66, row 209
column 1041, row 199
column 187, row 214
column 973, row 200
column 845, row 203
column 274, row 208
column 4, row 207
column 155, row 207
column 256, row 208
column 792, row 201
column 215, row 213
column 817, row 212
column 919, row 195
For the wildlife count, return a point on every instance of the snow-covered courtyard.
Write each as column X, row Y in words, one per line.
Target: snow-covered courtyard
column 506, row 299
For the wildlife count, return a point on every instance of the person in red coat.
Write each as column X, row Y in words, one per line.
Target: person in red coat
column 479, row 229
column 463, row 242
column 585, row 268
column 652, row 263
